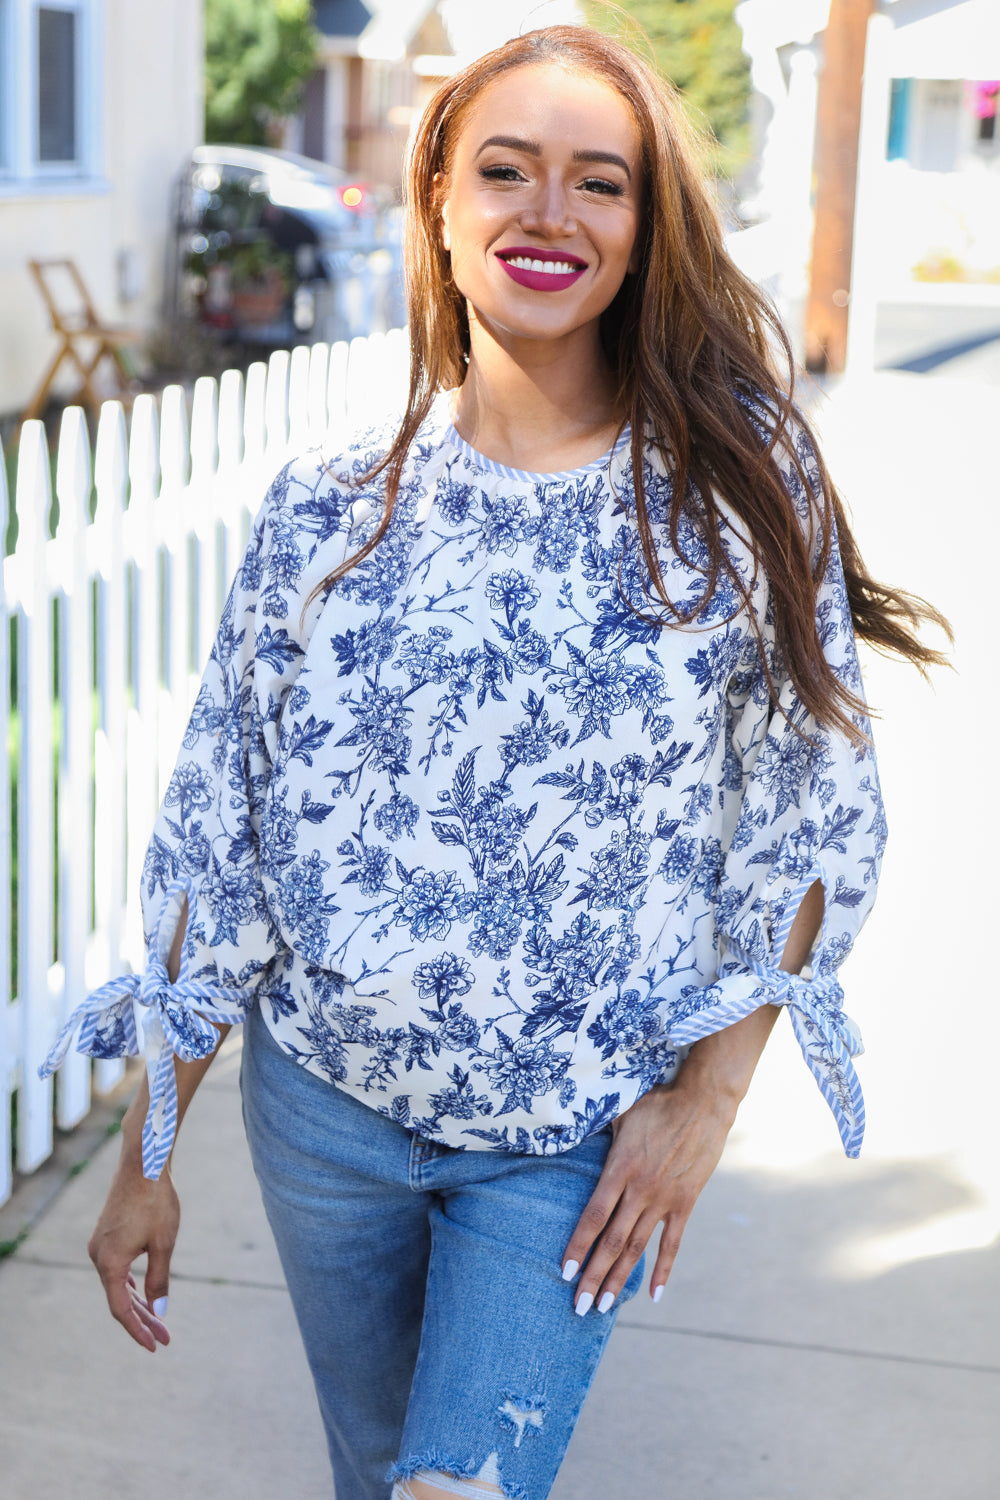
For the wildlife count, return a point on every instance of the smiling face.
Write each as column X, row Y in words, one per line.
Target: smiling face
column 541, row 208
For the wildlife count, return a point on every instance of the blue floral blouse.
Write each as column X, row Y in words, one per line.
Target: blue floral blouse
column 489, row 848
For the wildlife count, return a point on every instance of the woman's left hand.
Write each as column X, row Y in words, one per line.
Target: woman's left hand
column 664, row 1150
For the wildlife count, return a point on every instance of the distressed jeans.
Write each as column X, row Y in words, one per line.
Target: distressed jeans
column 426, row 1282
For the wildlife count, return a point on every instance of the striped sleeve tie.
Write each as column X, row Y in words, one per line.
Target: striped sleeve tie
column 828, row 1037
column 177, row 1021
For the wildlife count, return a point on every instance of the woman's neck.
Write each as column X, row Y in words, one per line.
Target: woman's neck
column 539, row 406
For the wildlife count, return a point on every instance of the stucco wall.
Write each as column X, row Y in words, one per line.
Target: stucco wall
column 152, row 117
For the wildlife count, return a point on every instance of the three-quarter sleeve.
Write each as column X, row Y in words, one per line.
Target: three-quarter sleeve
column 810, row 810
column 204, row 849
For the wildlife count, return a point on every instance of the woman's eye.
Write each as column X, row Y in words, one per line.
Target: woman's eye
column 603, row 185
column 500, row 173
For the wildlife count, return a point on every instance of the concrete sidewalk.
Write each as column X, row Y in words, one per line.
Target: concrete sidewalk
column 832, row 1328
column 769, row 1369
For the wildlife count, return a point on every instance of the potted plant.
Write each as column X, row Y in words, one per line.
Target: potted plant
column 242, row 284
column 260, row 281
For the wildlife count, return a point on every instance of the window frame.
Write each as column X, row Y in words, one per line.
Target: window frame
column 21, row 170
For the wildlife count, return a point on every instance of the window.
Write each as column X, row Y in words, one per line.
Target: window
column 57, row 84
column 50, row 92
column 6, row 81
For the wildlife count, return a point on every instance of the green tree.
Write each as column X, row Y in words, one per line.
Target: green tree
column 698, row 45
column 258, row 54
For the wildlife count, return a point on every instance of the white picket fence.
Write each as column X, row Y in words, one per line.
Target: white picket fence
column 111, row 621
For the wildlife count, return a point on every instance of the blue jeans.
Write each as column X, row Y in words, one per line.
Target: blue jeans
column 426, row 1282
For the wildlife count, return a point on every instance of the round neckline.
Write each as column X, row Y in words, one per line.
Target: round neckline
column 504, row 471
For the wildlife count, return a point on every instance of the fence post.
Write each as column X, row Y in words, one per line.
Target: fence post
column 336, row 397
column 298, row 400
column 35, row 797
column 230, row 477
column 142, row 714
column 319, row 361
column 76, row 701
column 172, row 513
column 395, row 368
column 204, row 467
column 254, row 416
column 110, row 475
column 276, row 409
column 361, row 391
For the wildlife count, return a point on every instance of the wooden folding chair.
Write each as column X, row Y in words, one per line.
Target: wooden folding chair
column 83, row 339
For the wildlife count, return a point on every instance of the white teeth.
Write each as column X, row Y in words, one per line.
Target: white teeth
column 549, row 267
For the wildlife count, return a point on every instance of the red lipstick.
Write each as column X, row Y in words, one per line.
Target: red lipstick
column 523, row 264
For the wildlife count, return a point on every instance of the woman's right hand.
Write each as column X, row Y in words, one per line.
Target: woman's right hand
column 139, row 1217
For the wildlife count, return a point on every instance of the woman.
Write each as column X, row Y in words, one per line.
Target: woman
column 529, row 767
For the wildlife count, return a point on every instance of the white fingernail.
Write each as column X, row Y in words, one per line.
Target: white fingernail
column 605, row 1302
column 570, row 1269
column 657, row 1293
column 584, row 1303
column 160, row 1307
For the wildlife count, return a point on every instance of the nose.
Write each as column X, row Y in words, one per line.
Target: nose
column 549, row 212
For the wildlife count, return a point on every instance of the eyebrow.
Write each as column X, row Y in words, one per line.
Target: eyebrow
column 532, row 148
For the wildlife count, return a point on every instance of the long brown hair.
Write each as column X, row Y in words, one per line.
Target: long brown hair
column 691, row 341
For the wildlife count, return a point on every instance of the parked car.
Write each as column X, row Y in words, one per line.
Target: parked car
column 274, row 248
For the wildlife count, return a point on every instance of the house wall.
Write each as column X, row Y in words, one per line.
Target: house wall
column 336, row 112
column 388, row 98
column 939, row 130
column 937, row 207
column 114, row 223
column 376, row 85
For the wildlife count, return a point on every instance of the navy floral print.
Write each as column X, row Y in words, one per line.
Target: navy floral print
column 490, row 846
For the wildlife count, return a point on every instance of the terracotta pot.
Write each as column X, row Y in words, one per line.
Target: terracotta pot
column 259, row 303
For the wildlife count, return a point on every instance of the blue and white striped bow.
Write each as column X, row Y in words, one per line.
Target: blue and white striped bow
column 177, row 1021
column 828, row 1038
